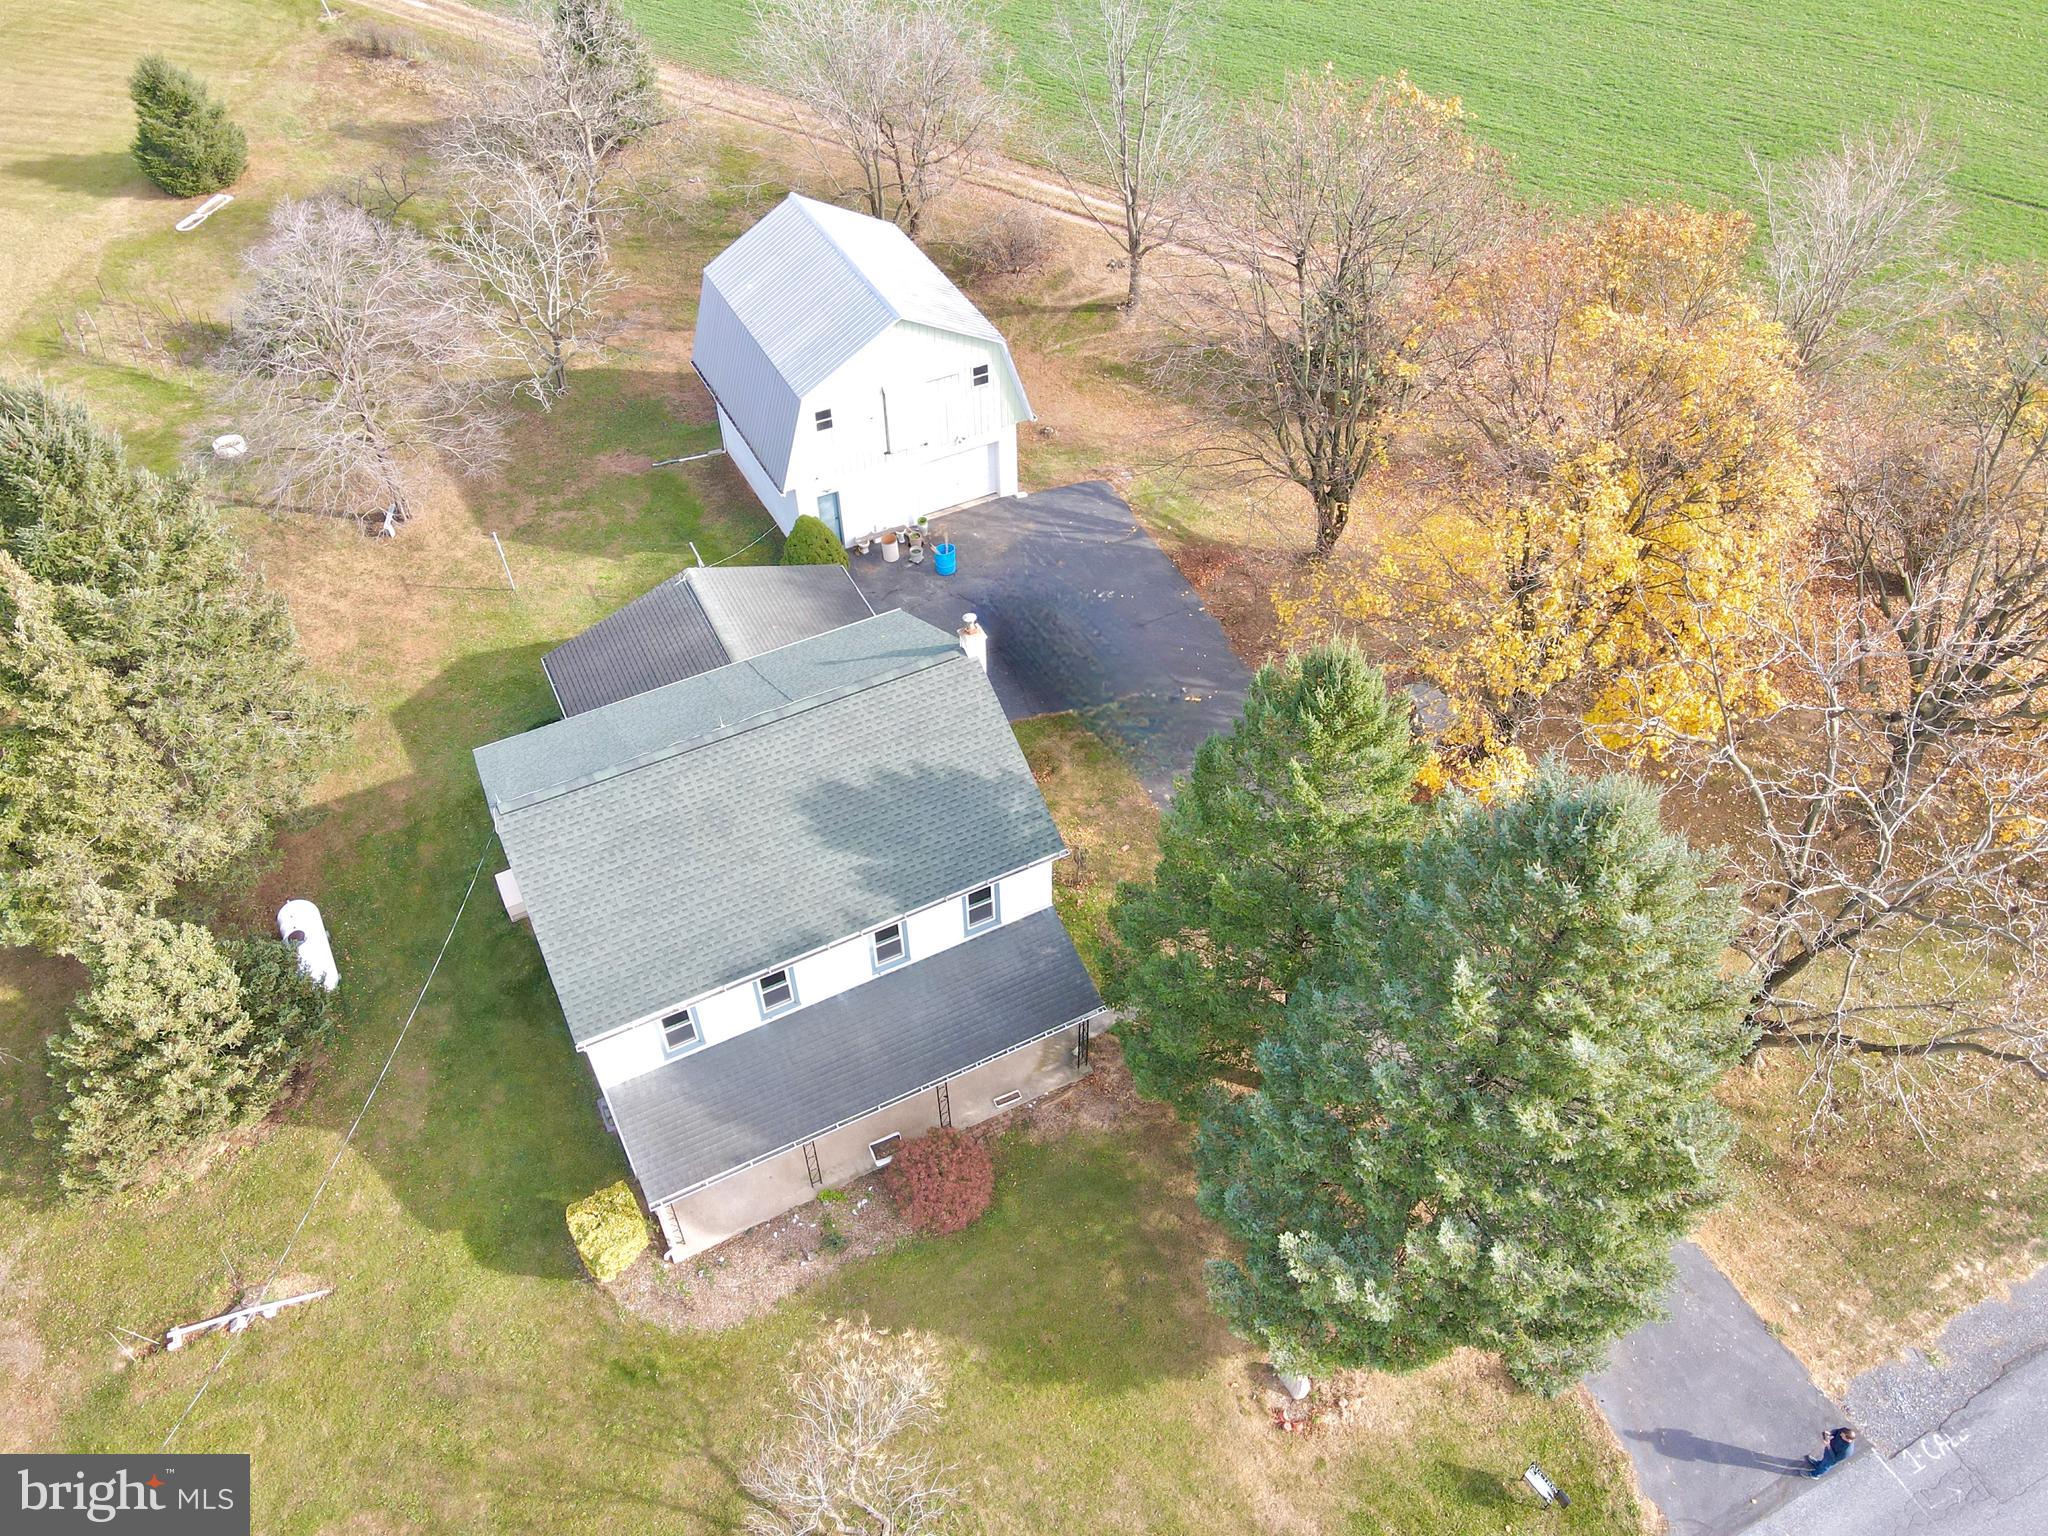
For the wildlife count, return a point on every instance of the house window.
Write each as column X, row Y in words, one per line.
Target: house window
column 980, row 374
column 889, row 946
column 884, row 1151
column 824, row 420
column 777, row 992
column 981, row 908
column 679, row 1032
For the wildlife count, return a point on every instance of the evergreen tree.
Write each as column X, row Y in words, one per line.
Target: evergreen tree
column 152, row 1059
column 810, row 542
column 1493, row 1115
column 184, row 140
column 1310, row 789
column 155, row 711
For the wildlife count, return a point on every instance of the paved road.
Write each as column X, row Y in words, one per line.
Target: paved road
column 1084, row 612
column 1715, row 1413
column 1956, row 1447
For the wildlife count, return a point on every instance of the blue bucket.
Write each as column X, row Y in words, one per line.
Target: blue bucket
column 944, row 559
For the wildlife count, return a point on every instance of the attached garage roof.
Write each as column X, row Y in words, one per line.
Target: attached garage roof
column 800, row 294
column 775, row 1087
column 695, row 622
column 684, row 839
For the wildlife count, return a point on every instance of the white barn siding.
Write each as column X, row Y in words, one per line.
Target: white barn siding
column 780, row 504
column 734, row 1010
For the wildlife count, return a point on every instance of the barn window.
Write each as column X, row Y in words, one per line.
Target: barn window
column 981, row 908
column 679, row 1031
column 980, row 374
column 888, row 946
column 777, row 992
column 884, row 1151
column 824, row 420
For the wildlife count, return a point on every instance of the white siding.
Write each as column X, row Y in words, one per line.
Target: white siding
column 907, row 399
column 781, row 506
column 735, row 1009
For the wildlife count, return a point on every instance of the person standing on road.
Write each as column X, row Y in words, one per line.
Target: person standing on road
column 1840, row 1447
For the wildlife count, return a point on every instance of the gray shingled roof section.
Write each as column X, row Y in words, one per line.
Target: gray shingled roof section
column 653, row 886
column 695, row 622
column 756, row 608
column 682, row 713
column 796, row 296
column 788, row 1080
column 658, row 638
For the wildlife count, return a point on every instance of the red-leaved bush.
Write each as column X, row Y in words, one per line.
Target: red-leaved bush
column 941, row 1181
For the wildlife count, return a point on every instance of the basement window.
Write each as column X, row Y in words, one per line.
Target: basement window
column 679, row 1032
column 980, row 374
column 889, row 949
column 1005, row 1100
column 884, row 1151
column 981, row 908
column 824, row 420
column 777, row 992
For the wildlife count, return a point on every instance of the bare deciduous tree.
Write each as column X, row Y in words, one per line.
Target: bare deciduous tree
column 907, row 88
column 853, row 1456
column 1146, row 130
column 586, row 90
column 1855, row 238
column 358, row 356
column 1897, row 799
column 1333, row 224
column 533, row 235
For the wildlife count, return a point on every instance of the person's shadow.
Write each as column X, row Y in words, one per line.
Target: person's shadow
column 1684, row 1445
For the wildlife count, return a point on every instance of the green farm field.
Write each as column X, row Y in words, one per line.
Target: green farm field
column 1598, row 100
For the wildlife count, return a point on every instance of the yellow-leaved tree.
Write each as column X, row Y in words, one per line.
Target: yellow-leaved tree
column 1627, row 464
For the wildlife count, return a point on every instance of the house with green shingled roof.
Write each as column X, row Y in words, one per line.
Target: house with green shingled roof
column 796, row 907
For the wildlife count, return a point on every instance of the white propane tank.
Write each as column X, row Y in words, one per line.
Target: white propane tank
column 299, row 925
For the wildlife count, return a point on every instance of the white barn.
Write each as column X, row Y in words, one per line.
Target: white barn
column 853, row 380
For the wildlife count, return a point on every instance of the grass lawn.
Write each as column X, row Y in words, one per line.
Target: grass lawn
column 1595, row 100
column 464, row 1377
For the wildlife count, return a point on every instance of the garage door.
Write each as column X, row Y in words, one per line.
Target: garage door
column 960, row 477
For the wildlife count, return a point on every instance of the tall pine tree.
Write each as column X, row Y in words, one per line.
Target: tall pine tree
column 1493, row 1115
column 1312, row 788
column 184, row 139
column 155, row 710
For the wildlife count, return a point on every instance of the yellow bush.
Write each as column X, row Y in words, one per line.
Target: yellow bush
column 609, row 1231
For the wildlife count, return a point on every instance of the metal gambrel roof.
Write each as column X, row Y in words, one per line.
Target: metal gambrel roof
column 798, row 295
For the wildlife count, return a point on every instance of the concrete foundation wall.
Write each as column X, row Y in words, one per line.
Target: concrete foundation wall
column 782, row 1183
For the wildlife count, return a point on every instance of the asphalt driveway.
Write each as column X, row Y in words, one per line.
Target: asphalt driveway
column 1084, row 612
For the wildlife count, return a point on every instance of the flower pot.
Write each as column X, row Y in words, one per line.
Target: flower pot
column 862, row 545
column 917, row 554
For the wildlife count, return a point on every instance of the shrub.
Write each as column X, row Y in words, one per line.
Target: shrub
column 1013, row 242
column 810, row 542
column 608, row 1230
column 942, row 1181
column 290, row 1014
column 184, row 141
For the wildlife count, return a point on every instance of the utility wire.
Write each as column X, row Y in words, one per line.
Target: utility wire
column 234, row 1339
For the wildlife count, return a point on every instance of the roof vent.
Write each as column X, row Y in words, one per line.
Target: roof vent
column 974, row 640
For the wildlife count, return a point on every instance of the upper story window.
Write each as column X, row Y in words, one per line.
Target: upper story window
column 889, row 947
column 981, row 908
column 679, row 1032
column 823, row 419
column 980, row 374
column 777, row 991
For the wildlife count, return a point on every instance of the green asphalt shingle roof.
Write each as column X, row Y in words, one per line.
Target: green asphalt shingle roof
column 697, row 835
